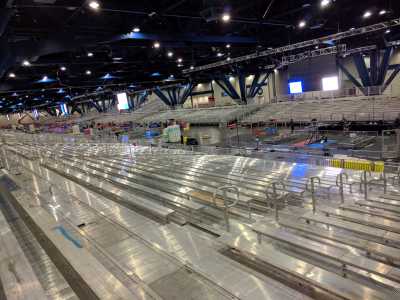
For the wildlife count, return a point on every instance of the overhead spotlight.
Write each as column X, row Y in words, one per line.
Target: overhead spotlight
column 156, row 45
column 45, row 78
column 180, row 60
column 11, row 75
column 226, row 17
column 191, row 67
column 26, row 63
column 63, row 68
column 302, row 24
column 228, row 46
column 219, row 54
column 387, row 31
column 367, row 14
column 170, row 54
column 94, row 5
column 88, row 72
column 317, row 47
column 228, row 58
column 382, row 12
column 180, row 65
column 136, row 29
column 90, row 54
column 325, row 3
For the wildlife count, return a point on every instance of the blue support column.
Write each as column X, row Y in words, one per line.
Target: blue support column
column 242, row 87
column 374, row 58
column 349, row 76
column 95, row 105
column 260, row 84
column 224, row 84
column 75, row 108
column 162, row 97
column 384, row 66
column 186, row 91
column 391, row 78
column 254, row 84
column 362, row 69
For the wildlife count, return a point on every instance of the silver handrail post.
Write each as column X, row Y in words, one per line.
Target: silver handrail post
column 340, row 184
column 384, row 181
column 364, row 182
column 274, row 196
column 227, row 206
column 313, row 198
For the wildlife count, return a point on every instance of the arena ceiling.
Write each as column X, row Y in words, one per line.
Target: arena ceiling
column 50, row 49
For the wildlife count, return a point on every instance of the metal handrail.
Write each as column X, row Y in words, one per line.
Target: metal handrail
column 313, row 198
column 340, row 184
column 226, row 206
column 274, row 196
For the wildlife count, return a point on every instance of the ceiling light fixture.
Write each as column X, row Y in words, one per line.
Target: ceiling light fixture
column 63, row 68
column 45, row 78
column 302, row 24
column 191, row 67
column 387, row 31
column 219, row 54
column 367, row 14
column 228, row 58
column 26, row 63
column 136, row 29
column 382, row 12
column 88, row 72
column 11, row 75
column 228, row 46
column 94, row 5
column 90, row 54
column 170, row 54
column 180, row 60
column 156, row 45
column 226, row 17
column 325, row 3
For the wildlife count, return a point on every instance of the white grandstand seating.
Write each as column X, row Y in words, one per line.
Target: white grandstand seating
column 214, row 115
column 353, row 109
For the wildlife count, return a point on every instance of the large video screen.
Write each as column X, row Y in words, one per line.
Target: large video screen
column 295, row 87
column 122, row 101
column 330, row 83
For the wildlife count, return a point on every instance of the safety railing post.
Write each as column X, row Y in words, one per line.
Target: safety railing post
column 384, row 181
column 364, row 182
column 340, row 183
column 226, row 206
column 313, row 196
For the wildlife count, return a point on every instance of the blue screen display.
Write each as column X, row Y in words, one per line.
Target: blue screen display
column 295, row 87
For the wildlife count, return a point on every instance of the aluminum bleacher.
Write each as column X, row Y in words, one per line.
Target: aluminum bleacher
column 204, row 116
column 353, row 109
